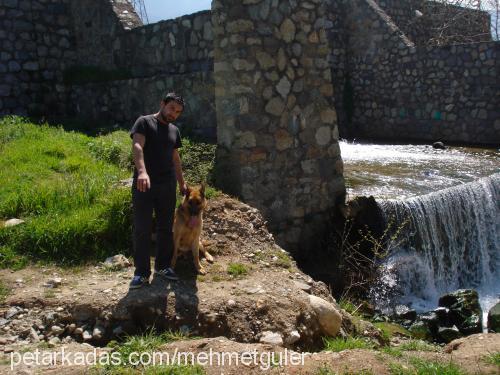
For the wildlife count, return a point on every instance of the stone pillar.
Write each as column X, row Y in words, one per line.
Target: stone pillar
column 276, row 124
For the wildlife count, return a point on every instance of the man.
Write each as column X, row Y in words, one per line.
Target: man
column 157, row 167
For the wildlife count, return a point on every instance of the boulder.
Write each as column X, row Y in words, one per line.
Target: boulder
column 439, row 146
column 421, row 330
column 464, row 310
column 13, row 222
column 404, row 313
column 448, row 334
column 494, row 319
column 329, row 318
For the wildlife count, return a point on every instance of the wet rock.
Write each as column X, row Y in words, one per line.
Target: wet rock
column 329, row 318
column 464, row 310
column 494, row 319
column 439, row 146
column 421, row 330
column 292, row 337
column 403, row 312
column 449, row 334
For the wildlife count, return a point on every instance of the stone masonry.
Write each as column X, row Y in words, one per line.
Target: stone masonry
column 276, row 126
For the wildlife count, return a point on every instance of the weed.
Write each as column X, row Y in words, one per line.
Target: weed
column 237, row 269
column 419, row 366
column 4, row 292
column 338, row 344
column 493, row 358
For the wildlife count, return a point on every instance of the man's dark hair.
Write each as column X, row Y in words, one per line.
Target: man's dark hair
column 172, row 96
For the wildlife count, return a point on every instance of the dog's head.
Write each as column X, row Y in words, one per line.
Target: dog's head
column 194, row 200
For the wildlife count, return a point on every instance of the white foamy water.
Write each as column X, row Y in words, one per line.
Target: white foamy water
column 451, row 241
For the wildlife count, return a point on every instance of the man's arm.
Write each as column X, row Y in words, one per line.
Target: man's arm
column 178, row 171
column 138, row 142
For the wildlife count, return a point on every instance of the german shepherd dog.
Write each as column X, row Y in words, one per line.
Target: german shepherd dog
column 188, row 222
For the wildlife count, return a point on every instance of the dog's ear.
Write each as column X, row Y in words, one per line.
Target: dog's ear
column 187, row 192
column 202, row 189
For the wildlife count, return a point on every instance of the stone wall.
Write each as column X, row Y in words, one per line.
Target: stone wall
column 276, row 126
column 37, row 44
column 96, row 25
column 123, row 101
column 178, row 46
column 425, row 93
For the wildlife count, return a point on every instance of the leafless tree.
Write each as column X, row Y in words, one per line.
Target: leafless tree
column 493, row 7
column 457, row 21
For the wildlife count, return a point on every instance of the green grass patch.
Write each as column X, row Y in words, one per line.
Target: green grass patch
column 493, row 359
column 418, row 366
column 145, row 345
column 389, row 330
column 65, row 185
column 349, row 306
column 412, row 345
column 338, row 344
column 237, row 269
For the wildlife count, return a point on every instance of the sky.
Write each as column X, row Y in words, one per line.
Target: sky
column 158, row 10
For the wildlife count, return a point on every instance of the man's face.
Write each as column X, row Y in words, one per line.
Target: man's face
column 170, row 111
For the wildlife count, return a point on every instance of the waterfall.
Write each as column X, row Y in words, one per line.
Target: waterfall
column 451, row 241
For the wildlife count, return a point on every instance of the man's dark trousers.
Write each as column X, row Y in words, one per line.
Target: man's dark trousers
column 159, row 198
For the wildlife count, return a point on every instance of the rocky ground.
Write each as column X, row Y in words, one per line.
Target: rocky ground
column 252, row 297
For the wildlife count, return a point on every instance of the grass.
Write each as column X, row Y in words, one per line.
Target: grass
column 283, row 260
column 237, row 269
column 412, row 345
column 493, row 359
column 391, row 329
column 349, row 306
column 65, row 185
column 4, row 292
column 339, row 344
column 147, row 343
column 419, row 366
column 327, row 371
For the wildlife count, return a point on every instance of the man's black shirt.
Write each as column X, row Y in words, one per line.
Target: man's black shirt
column 161, row 140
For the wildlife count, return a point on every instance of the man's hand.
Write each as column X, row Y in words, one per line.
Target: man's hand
column 143, row 182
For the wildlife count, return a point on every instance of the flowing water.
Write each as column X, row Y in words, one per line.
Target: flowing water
column 452, row 212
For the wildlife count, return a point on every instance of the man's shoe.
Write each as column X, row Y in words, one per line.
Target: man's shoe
column 167, row 273
column 138, row 281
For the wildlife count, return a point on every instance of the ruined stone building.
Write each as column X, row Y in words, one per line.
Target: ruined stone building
column 272, row 80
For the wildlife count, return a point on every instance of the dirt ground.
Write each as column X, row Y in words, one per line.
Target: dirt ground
column 252, row 289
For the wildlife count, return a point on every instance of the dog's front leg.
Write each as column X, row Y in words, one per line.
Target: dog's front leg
column 176, row 250
column 196, row 257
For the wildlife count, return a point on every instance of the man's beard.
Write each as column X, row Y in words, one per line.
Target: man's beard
column 163, row 118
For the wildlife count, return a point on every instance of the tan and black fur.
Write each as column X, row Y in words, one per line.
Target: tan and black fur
column 188, row 223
